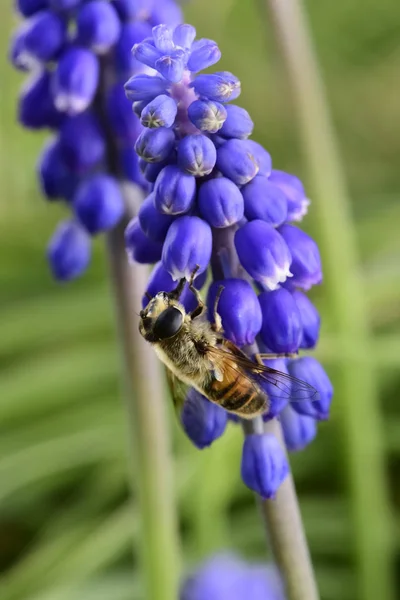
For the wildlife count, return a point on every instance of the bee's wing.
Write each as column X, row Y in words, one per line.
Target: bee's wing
column 178, row 390
column 228, row 358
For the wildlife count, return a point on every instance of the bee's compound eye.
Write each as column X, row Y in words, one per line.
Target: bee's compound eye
column 168, row 323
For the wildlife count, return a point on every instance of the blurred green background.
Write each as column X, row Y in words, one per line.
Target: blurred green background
column 66, row 527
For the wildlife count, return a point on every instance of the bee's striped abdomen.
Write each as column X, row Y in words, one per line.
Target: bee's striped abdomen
column 237, row 396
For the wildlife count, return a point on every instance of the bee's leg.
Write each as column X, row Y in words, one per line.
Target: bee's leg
column 176, row 293
column 148, row 296
column 260, row 356
column 201, row 307
column 217, row 325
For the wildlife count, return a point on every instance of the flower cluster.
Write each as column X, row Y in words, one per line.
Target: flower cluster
column 214, row 199
column 78, row 55
column 227, row 577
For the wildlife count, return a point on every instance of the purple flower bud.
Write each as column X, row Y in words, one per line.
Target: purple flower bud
column 144, row 87
column 298, row 430
column 238, row 123
column 161, row 281
column 137, row 107
column 45, row 35
column 184, row 36
column 36, row 107
column 146, row 53
column 265, row 201
column 204, row 54
column 56, row 180
column 155, row 145
column 188, row 244
column 308, row 369
column 293, row 189
column 27, row 8
column 130, row 10
column 153, row 224
column 75, row 80
column 221, row 86
column 281, row 328
column 278, row 396
column 171, row 67
column 220, row 202
column 197, row 155
column 174, row 191
column 263, row 253
column 202, row 420
column 151, row 170
column 69, row 251
column 238, row 308
column 98, row 203
column 160, row 112
column 166, row 11
column 131, row 33
column 162, row 36
column 82, row 142
column 139, row 247
column 98, row 26
column 17, row 54
column 236, row 162
column 207, row 115
column 63, row 5
column 124, row 124
column 129, row 165
column 264, row 465
column 261, row 156
column 306, row 261
column 310, row 320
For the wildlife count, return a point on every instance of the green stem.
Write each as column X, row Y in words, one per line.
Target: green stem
column 358, row 397
column 147, row 423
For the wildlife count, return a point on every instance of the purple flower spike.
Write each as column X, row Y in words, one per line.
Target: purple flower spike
column 264, row 465
column 205, row 53
column 238, row 123
column 281, row 329
column 265, row 201
column 82, row 142
column 45, row 35
column 56, row 180
column 310, row 320
column 75, row 80
column 188, row 244
column 144, row 87
column 183, row 36
column 153, row 224
column 308, row 369
column 306, row 261
column 98, row 26
column 220, row 202
column 207, row 115
column 203, row 421
column 174, row 191
column 278, row 397
column 235, row 161
column 263, row 253
column 123, row 122
column 98, row 203
column 155, row 145
column 298, row 430
column 36, row 107
column 139, row 247
column 160, row 112
column 221, row 87
column 69, row 251
column 238, row 308
column 161, row 281
column 196, row 155
column 27, row 8
column 293, row 189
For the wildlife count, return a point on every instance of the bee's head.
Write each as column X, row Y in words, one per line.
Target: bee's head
column 162, row 318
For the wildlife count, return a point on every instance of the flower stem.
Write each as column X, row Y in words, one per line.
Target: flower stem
column 147, row 423
column 281, row 516
column 361, row 419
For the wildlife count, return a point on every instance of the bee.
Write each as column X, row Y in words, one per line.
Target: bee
column 196, row 354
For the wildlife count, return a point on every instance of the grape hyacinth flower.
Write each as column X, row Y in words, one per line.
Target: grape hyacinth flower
column 216, row 202
column 78, row 54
